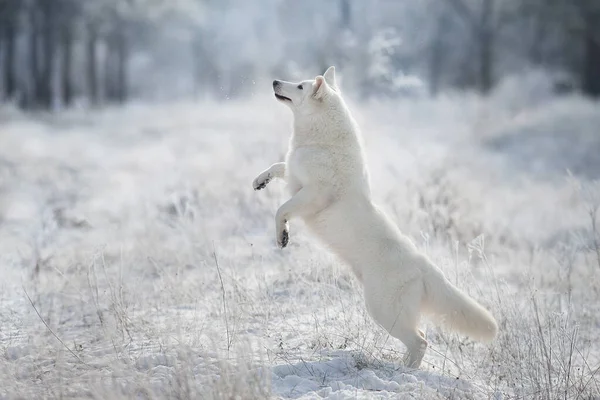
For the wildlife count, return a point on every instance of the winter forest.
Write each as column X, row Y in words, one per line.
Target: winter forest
column 59, row 52
column 138, row 262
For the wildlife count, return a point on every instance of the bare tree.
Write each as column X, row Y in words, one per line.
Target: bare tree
column 591, row 52
column 34, row 64
column 481, row 20
column 580, row 22
column 54, row 29
column 49, row 15
column 345, row 14
column 68, row 14
column 437, row 52
column 537, row 16
column 9, row 16
column 123, row 18
column 117, row 58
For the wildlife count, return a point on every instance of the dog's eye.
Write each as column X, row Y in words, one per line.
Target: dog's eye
column 300, row 87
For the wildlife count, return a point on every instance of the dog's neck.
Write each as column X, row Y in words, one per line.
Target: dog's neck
column 332, row 127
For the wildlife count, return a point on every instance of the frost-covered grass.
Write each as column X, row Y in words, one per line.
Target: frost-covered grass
column 152, row 271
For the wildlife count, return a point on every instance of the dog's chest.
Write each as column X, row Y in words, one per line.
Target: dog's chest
column 308, row 163
column 297, row 167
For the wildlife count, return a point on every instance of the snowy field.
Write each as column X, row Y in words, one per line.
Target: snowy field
column 138, row 263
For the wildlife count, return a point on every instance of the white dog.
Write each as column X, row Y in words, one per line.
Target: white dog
column 328, row 180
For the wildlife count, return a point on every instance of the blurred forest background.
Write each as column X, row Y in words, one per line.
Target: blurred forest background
column 59, row 53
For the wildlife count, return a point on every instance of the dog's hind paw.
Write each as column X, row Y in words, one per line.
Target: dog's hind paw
column 283, row 238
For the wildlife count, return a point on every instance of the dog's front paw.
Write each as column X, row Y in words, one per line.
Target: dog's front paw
column 283, row 236
column 261, row 181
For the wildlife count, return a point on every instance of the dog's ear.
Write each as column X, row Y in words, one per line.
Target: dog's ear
column 319, row 87
column 329, row 76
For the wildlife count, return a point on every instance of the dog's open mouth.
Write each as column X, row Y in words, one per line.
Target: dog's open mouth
column 282, row 98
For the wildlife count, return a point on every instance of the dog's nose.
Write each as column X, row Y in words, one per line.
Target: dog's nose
column 276, row 83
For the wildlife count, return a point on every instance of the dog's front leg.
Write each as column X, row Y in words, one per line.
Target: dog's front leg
column 276, row 170
column 309, row 200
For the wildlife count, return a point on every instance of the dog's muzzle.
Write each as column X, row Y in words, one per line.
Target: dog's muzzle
column 276, row 86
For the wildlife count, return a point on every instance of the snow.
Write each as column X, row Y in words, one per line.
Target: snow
column 139, row 239
column 344, row 377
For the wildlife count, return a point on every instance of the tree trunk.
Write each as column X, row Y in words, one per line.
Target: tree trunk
column 435, row 67
column 486, row 61
column 91, row 64
column 196, row 50
column 10, row 79
column 438, row 55
column 109, row 71
column 67, row 47
column 486, row 47
column 482, row 28
column 34, row 60
column 345, row 14
column 538, row 21
column 116, row 67
column 591, row 62
column 122, row 58
column 48, row 44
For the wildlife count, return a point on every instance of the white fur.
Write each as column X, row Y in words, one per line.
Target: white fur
column 328, row 180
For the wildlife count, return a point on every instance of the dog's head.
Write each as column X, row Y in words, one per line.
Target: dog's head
column 307, row 95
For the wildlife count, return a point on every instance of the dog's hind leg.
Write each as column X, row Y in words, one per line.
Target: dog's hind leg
column 415, row 344
column 405, row 329
column 400, row 319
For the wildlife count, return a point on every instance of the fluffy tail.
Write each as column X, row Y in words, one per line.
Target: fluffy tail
column 457, row 310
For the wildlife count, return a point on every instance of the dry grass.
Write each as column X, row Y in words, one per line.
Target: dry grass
column 151, row 272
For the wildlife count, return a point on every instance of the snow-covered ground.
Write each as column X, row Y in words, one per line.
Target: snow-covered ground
column 137, row 261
